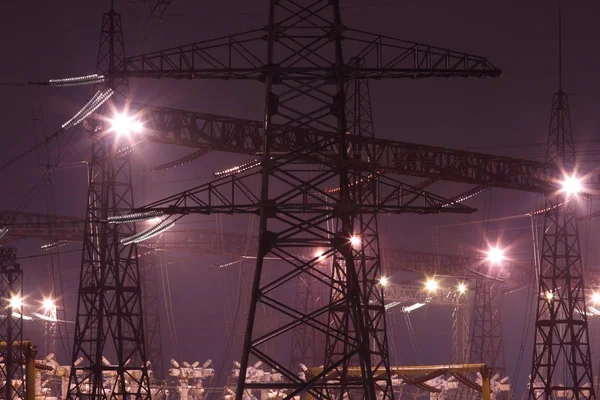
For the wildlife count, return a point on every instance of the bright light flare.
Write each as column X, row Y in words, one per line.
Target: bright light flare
column 595, row 297
column 431, row 285
column 355, row 240
column 384, row 281
column 16, row 303
column 495, row 255
column 571, row 185
column 320, row 255
column 125, row 125
column 549, row 296
column 48, row 305
column 462, row 288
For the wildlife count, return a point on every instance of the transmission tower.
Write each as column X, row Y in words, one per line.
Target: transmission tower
column 11, row 325
column 561, row 355
column 487, row 345
column 305, row 75
column 109, row 308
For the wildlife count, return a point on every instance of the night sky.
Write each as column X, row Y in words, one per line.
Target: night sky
column 505, row 116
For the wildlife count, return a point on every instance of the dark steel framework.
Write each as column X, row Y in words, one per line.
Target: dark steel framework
column 11, row 325
column 487, row 344
column 109, row 308
column 561, row 356
column 306, row 76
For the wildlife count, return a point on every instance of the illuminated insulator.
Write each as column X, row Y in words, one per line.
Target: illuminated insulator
column 136, row 217
column 182, row 161
column 130, row 148
column 55, row 245
column 465, row 196
column 357, row 182
column 149, row 233
column 95, row 102
column 238, row 169
column 545, row 210
column 77, row 80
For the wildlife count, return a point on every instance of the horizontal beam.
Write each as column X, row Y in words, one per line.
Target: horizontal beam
column 243, row 56
column 242, row 136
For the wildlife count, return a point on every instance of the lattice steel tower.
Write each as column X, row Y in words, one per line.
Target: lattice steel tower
column 109, row 309
column 561, row 353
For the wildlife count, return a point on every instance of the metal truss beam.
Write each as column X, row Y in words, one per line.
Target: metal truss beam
column 242, row 136
column 243, row 56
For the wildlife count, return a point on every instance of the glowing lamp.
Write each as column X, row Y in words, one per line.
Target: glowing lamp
column 48, row 304
column 462, row 288
column 571, row 185
column 384, row 281
column 595, row 297
column 495, row 255
column 355, row 240
column 16, row 302
column 431, row 285
column 124, row 125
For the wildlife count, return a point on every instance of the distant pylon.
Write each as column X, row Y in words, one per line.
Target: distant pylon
column 561, row 354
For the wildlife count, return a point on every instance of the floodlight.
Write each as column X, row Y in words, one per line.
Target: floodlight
column 495, row 255
column 595, row 297
column 355, row 240
column 48, row 304
column 462, row 288
column 125, row 125
column 16, row 303
column 319, row 254
column 384, row 281
column 549, row 296
column 431, row 285
column 571, row 185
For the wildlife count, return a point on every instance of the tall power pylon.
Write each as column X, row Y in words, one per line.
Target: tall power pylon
column 561, row 354
column 487, row 344
column 109, row 308
column 11, row 325
column 304, row 73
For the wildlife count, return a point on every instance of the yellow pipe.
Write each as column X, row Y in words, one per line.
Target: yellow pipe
column 407, row 370
column 30, row 353
column 418, row 370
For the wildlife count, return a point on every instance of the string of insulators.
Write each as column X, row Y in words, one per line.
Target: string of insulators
column 547, row 209
column 148, row 233
column 55, row 245
column 357, row 182
column 77, row 80
column 182, row 161
column 95, row 102
column 589, row 217
column 130, row 148
column 135, row 217
column 238, row 169
column 465, row 195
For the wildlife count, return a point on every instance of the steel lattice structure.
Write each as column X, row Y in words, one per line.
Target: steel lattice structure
column 561, row 351
column 487, row 344
column 109, row 308
column 305, row 77
column 11, row 325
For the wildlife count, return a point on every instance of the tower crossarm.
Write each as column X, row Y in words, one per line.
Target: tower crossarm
column 242, row 136
column 232, row 195
column 243, row 56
